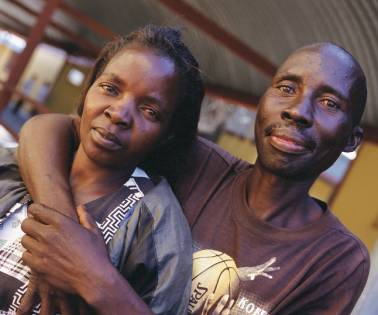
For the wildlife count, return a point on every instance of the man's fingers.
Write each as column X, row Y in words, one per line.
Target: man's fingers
column 46, row 215
column 30, row 244
column 30, row 261
column 221, row 305
column 86, row 219
column 33, row 228
column 208, row 302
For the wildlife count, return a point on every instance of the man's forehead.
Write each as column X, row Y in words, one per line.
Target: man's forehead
column 324, row 65
column 328, row 59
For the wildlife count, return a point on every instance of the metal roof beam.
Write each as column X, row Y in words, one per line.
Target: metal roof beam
column 34, row 37
column 221, row 35
column 88, row 22
column 232, row 96
column 79, row 40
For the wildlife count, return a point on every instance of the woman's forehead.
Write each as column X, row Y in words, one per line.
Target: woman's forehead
column 141, row 59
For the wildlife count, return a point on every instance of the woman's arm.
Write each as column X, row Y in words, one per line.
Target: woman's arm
column 47, row 145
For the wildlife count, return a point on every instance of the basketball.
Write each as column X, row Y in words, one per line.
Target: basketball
column 213, row 272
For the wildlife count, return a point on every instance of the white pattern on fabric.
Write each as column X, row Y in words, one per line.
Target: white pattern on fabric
column 122, row 212
column 11, row 254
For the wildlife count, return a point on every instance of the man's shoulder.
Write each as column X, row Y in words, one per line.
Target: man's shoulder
column 207, row 163
column 348, row 239
column 208, row 169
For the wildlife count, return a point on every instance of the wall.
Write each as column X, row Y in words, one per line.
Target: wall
column 46, row 63
column 5, row 55
column 64, row 96
column 355, row 202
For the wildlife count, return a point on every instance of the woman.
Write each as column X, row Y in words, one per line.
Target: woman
column 142, row 100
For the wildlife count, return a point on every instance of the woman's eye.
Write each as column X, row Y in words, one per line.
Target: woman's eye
column 150, row 113
column 109, row 89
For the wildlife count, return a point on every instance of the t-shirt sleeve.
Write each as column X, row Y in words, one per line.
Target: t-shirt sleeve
column 12, row 188
column 156, row 255
column 337, row 290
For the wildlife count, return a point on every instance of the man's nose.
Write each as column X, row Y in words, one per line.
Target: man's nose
column 300, row 113
column 120, row 112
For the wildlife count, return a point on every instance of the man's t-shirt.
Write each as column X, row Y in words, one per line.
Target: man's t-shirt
column 320, row 268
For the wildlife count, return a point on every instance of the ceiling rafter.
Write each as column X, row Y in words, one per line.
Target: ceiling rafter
column 79, row 40
column 232, row 96
column 92, row 24
column 218, row 33
column 13, row 19
column 215, row 91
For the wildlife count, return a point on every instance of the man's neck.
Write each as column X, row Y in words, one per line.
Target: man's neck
column 280, row 201
column 90, row 181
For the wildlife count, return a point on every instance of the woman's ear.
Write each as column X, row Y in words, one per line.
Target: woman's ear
column 354, row 139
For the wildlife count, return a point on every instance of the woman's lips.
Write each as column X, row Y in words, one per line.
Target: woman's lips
column 288, row 145
column 105, row 139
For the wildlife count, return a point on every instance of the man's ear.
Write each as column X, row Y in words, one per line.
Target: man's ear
column 354, row 139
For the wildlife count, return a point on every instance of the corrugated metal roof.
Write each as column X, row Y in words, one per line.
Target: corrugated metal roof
column 274, row 28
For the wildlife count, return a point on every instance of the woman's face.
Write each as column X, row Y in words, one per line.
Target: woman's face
column 128, row 109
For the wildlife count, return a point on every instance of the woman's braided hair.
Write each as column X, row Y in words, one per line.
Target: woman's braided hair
column 164, row 41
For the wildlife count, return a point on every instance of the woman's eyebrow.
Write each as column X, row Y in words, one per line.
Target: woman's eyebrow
column 113, row 77
column 289, row 77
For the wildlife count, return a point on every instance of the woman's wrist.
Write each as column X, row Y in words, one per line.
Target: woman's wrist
column 111, row 294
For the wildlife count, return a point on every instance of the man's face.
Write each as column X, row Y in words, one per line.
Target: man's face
column 305, row 118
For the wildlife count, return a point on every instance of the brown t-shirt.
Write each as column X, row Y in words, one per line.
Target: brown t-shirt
column 320, row 268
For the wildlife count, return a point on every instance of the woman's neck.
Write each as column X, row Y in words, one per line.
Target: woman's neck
column 90, row 181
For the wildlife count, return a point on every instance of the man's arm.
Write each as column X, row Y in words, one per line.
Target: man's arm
column 47, row 145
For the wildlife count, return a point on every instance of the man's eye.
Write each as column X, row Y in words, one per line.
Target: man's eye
column 287, row 89
column 330, row 104
column 109, row 89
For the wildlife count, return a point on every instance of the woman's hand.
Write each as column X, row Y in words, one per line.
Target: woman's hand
column 69, row 256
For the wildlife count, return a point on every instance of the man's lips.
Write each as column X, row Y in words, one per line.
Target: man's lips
column 289, row 143
column 105, row 138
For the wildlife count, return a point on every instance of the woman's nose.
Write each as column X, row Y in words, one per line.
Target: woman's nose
column 120, row 113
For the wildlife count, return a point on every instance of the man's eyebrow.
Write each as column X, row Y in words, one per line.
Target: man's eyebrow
column 331, row 90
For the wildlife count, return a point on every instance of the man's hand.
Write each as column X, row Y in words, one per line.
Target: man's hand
column 223, row 307
column 69, row 256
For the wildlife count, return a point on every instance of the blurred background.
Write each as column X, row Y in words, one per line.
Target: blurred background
column 48, row 47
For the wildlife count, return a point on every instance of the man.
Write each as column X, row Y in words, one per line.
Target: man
column 283, row 251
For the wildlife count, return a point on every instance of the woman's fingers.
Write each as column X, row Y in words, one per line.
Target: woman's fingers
column 46, row 294
column 65, row 305
column 86, row 220
column 30, row 298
